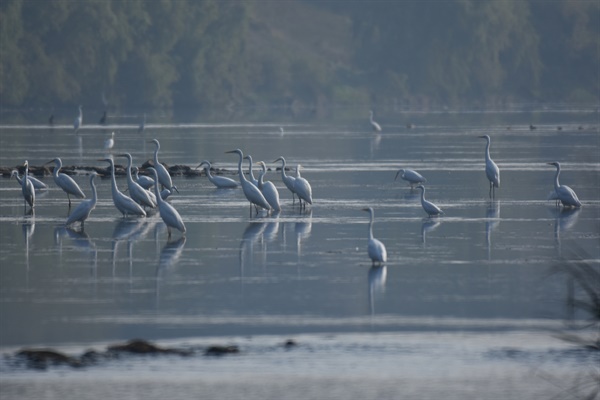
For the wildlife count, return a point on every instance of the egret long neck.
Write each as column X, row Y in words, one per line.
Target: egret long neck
column 57, row 167
column 556, row 184
column 283, row 170
column 240, row 172
column 487, row 149
column 113, row 179
column 93, row 186
column 129, row 162
column 159, row 199
column 371, row 227
column 261, row 176
column 250, row 173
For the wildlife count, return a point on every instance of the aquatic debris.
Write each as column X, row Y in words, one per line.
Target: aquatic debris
column 140, row 346
column 218, row 350
column 43, row 358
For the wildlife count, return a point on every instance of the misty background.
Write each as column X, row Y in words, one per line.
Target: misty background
column 299, row 54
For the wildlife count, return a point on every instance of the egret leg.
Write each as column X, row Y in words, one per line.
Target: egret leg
column 69, row 197
column 169, row 233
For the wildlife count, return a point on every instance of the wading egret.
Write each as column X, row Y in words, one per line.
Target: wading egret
column 163, row 175
column 165, row 193
column 376, row 249
column 302, row 188
column 37, row 184
column 251, row 192
column 78, row 122
column 287, row 180
column 251, row 177
column 137, row 193
column 168, row 213
column 142, row 126
column 375, row 125
column 268, row 189
column 430, row 208
column 110, row 142
column 27, row 187
column 83, row 209
column 144, row 181
column 565, row 194
column 491, row 169
column 65, row 182
column 410, row 176
column 124, row 204
column 221, row 182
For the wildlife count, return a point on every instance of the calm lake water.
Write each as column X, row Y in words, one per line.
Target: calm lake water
column 468, row 305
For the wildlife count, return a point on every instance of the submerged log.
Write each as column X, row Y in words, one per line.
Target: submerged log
column 140, row 346
column 43, row 358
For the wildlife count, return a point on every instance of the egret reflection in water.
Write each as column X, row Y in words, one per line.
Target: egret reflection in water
column 564, row 220
column 491, row 223
column 169, row 255
column 302, row 228
column 377, row 279
column 252, row 235
column 428, row 225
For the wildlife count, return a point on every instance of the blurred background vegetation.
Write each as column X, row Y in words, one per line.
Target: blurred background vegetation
column 297, row 53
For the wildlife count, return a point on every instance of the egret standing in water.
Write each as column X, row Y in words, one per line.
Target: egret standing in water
column 491, row 169
column 65, row 182
column 37, row 184
column 78, row 122
column 27, row 188
column 302, row 188
column 251, row 192
column 430, row 208
column 83, row 210
column 144, row 181
column 221, row 182
column 168, row 213
column 564, row 194
column 124, row 204
column 268, row 189
column 376, row 249
column 251, row 177
column 137, row 193
column 110, row 142
column 375, row 125
column 142, row 126
column 410, row 176
column 287, row 180
column 164, row 178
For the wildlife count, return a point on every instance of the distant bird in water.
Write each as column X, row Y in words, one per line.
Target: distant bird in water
column 51, row 120
column 302, row 189
column 27, row 187
column 532, row 127
column 564, row 194
column 287, row 180
column 37, row 184
column 375, row 248
column 491, row 169
column 83, row 209
column 65, row 182
column 110, row 142
column 376, row 127
column 103, row 119
column 168, row 213
column 142, row 126
column 78, row 119
column 410, row 176
column 431, row 209
column 252, row 193
column 221, row 182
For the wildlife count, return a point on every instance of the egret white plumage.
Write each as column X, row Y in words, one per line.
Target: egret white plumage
column 430, row 208
column 65, row 182
column 83, row 209
column 142, row 125
column 140, row 195
column 125, row 204
column 302, row 188
column 252, row 193
column 251, row 177
column 27, row 187
column 221, row 182
column 168, row 213
column 287, row 180
column 110, row 142
column 78, row 122
column 164, row 178
column 37, row 184
column 268, row 189
column 144, row 181
column 491, row 169
column 565, row 194
column 410, row 176
column 376, row 249
column 375, row 125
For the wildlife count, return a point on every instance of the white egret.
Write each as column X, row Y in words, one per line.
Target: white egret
column 221, row 182
column 110, row 142
column 83, row 209
column 164, row 178
column 78, row 122
column 430, row 208
column 302, row 188
column 37, row 184
column 251, row 192
column 376, row 249
column 144, row 181
column 142, row 126
column 125, row 204
column 65, row 182
column 165, row 193
column 565, row 194
column 268, row 189
column 375, row 125
column 27, row 187
column 287, row 180
column 251, row 177
column 168, row 213
column 491, row 169
column 410, row 176
column 140, row 195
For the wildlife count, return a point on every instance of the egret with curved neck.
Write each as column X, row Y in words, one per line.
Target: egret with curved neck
column 431, row 209
column 164, row 178
column 564, row 194
column 65, row 182
column 375, row 248
column 140, row 195
column 491, row 169
column 375, row 125
column 125, row 204
column 27, row 187
column 168, row 213
column 84, row 209
column 287, row 180
column 221, row 182
column 268, row 189
column 251, row 192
